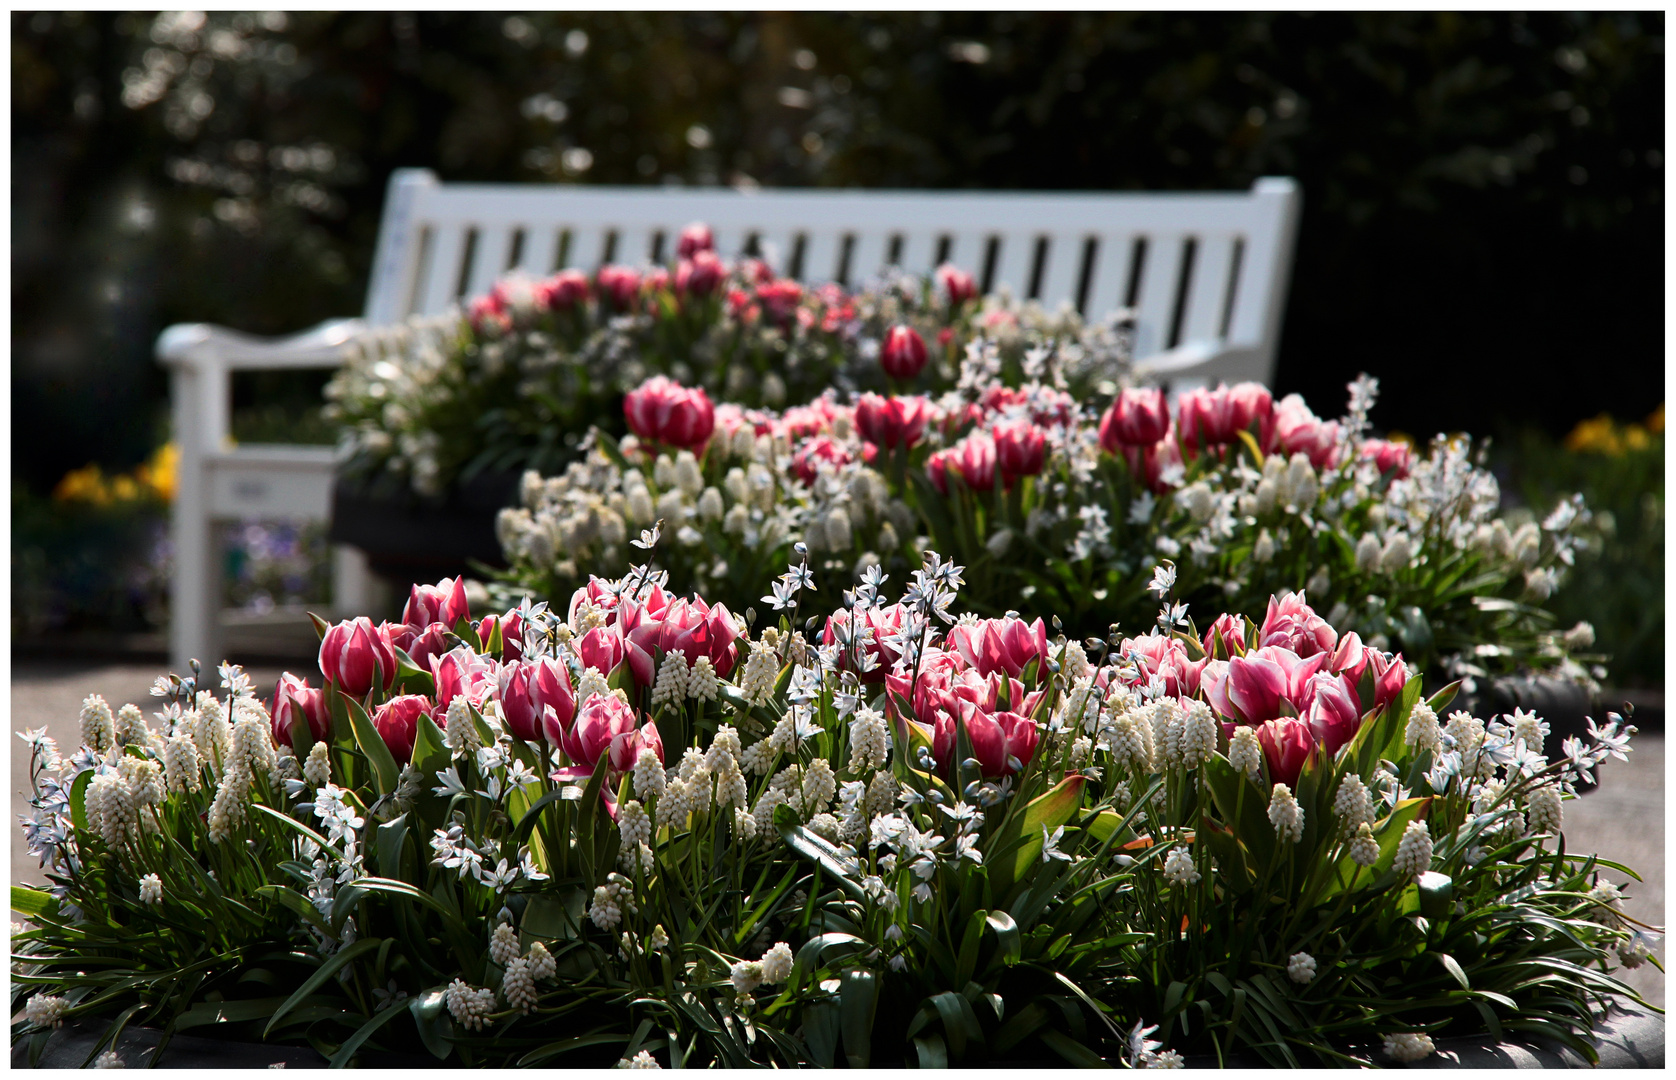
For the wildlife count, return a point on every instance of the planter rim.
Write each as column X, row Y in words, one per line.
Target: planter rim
column 1627, row 1037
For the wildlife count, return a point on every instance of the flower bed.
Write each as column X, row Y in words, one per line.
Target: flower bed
column 647, row 830
column 519, row 378
column 1058, row 506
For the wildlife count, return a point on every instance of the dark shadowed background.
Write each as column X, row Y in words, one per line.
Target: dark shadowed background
column 1483, row 220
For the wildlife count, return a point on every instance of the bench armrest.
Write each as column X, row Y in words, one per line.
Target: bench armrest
column 199, row 345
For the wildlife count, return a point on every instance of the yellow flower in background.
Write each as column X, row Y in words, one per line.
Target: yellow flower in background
column 153, row 480
column 86, row 485
column 1602, row 435
column 158, row 474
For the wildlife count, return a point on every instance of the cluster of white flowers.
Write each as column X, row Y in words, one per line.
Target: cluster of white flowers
column 1352, row 804
column 46, row 1010
column 1414, row 852
column 98, row 727
column 642, row 1060
column 869, row 740
column 1179, row 868
column 1422, row 734
column 1245, row 753
column 1301, row 967
column 469, row 1006
column 611, row 900
column 1409, row 1046
column 774, row 968
column 1286, row 815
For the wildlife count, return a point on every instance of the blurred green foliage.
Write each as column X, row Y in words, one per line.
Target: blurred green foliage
column 1619, row 589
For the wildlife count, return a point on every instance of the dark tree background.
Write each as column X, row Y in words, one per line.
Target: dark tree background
column 1483, row 223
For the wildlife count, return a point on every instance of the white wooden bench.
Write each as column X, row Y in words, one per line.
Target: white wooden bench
column 1205, row 274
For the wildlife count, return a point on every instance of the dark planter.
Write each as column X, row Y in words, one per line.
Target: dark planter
column 408, row 540
column 1626, row 1038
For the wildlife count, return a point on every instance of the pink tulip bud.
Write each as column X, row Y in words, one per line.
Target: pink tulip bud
column 1259, row 682
column 1020, row 449
column 1299, row 431
column 488, row 316
column 463, row 672
column 663, row 411
column 699, row 276
column 444, row 602
column 1392, row 458
column 1291, row 623
column 425, row 647
column 606, row 726
column 956, row 283
column 1226, row 636
column 536, row 699
column 563, row 291
column 356, row 655
column 1165, row 657
column 511, row 633
column 779, row 300
column 998, row 740
column 1005, row 645
column 1333, row 714
column 619, row 284
column 1139, row 417
column 602, row 648
column 885, row 622
column 293, row 701
column 903, row 355
column 894, row 422
column 695, row 238
column 972, row 459
column 1390, row 676
column 1207, row 417
column 397, row 721
column 1350, row 657
column 1286, row 743
column 1251, row 403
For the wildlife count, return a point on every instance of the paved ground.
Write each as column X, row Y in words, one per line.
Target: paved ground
column 1623, row 819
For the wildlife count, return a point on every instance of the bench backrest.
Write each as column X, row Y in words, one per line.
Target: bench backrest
column 1201, row 270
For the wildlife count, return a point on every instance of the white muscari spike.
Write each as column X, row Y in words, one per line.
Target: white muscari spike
column 1286, row 815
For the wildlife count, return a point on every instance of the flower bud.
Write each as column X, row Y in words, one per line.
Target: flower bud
column 903, row 354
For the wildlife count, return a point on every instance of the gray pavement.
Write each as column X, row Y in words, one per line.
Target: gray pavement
column 1622, row 820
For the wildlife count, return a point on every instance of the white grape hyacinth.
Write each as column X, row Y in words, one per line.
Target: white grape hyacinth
column 45, row 1010
column 1422, row 733
column 1364, row 849
column 1245, row 753
column 151, row 890
column 1409, row 1046
column 469, row 1006
column 1414, row 853
column 1286, row 815
column 1179, row 868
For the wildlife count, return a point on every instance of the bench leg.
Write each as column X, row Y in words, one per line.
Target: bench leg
column 195, row 595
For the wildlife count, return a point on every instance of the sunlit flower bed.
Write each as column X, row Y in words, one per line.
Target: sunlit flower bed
column 644, row 830
column 1061, row 506
column 518, row 378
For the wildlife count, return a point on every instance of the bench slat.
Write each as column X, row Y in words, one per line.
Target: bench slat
column 1160, row 274
column 1208, row 289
